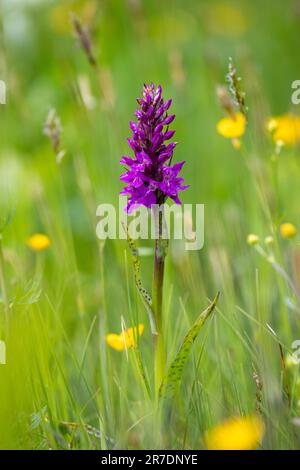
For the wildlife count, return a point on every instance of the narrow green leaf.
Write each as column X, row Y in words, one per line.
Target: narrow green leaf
column 173, row 378
column 146, row 298
column 5, row 221
column 142, row 372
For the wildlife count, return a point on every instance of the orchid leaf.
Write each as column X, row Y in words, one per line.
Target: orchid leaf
column 173, row 378
column 146, row 297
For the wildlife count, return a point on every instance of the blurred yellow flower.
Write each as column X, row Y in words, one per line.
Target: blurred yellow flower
column 252, row 239
column 237, row 433
column 285, row 128
column 224, row 19
column 60, row 14
column 38, row 242
column 287, row 230
column 126, row 339
column 232, row 127
column 162, row 27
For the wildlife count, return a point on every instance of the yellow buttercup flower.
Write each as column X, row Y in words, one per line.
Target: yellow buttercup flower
column 287, row 230
column 285, row 128
column 38, row 242
column 127, row 339
column 237, row 433
column 232, row 127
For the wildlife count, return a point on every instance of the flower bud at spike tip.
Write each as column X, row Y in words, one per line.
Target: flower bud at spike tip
column 269, row 240
column 252, row 239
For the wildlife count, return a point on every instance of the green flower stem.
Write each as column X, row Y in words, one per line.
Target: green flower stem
column 3, row 283
column 157, row 303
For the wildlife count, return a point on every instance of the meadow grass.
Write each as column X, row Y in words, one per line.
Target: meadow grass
column 62, row 386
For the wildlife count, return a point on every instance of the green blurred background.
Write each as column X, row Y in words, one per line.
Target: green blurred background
column 64, row 299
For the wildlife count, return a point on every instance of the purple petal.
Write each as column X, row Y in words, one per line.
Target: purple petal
column 177, row 167
column 168, row 119
column 168, row 135
column 167, row 104
column 127, row 161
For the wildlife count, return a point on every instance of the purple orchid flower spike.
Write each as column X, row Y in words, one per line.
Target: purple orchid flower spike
column 150, row 177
